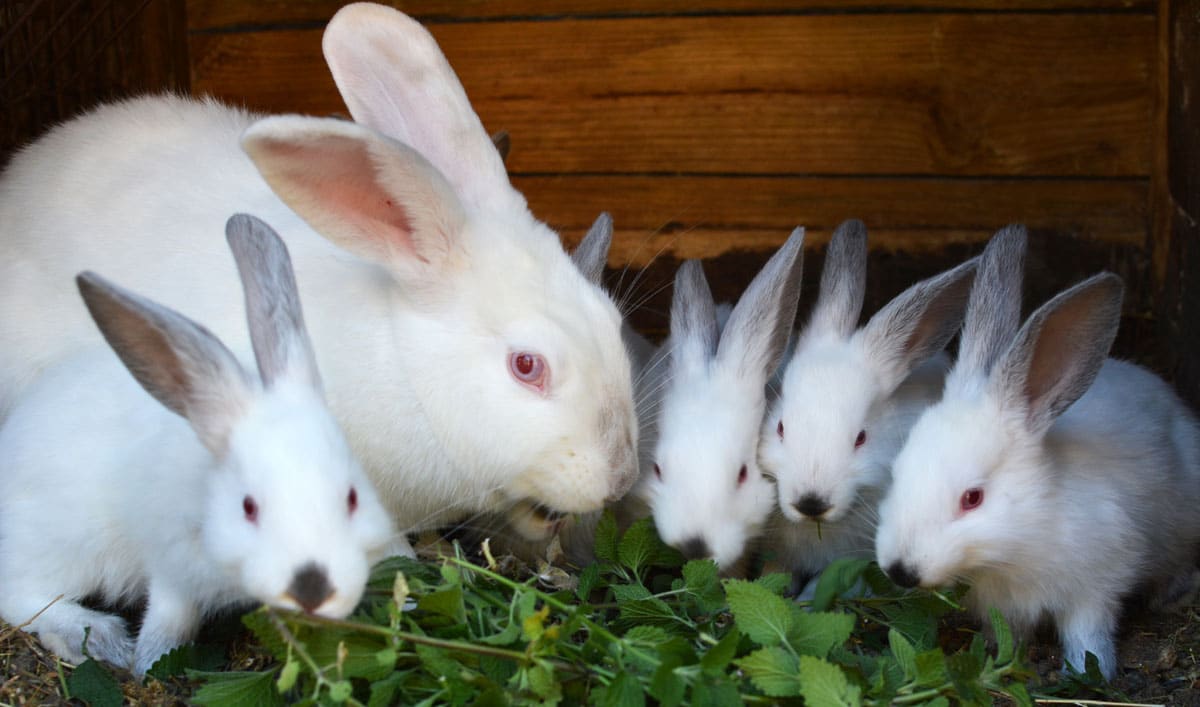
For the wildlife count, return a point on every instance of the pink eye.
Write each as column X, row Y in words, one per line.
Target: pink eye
column 250, row 508
column 861, row 439
column 657, row 472
column 352, row 500
column 779, row 429
column 742, row 474
column 529, row 369
column 971, row 499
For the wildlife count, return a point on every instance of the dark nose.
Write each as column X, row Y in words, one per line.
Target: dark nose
column 903, row 575
column 695, row 549
column 812, row 505
column 310, row 587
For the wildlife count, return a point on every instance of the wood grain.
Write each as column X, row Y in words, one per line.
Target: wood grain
column 217, row 14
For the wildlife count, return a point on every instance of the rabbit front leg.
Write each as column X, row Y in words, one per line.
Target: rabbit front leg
column 1089, row 627
column 171, row 620
column 64, row 625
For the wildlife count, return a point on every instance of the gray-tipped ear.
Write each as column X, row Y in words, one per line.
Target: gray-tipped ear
column 693, row 317
column 592, row 253
column 994, row 309
column 277, row 332
column 843, row 282
column 503, row 144
column 918, row 323
column 759, row 326
column 180, row 363
column 1058, row 353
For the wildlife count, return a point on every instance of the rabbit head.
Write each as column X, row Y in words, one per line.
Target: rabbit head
column 973, row 488
column 530, row 393
column 289, row 511
column 707, row 493
column 828, row 437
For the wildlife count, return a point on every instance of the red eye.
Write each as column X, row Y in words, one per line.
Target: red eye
column 352, row 500
column 657, row 472
column 250, row 508
column 779, row 429
column 742, row 474
column 529, row 369
column 971, row 499
column 861, row 439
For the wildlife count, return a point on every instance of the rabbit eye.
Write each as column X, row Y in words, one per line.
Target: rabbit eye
column 971, row 499
column 250, row 508
column 529, row 369
column 861, row 439
column 352, row 500
column 742, row 474
column 657, row 472
column 779, row 429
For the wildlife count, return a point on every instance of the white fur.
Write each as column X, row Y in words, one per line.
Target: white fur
column 106, row 493
column 421, row 268
column 1077, row 512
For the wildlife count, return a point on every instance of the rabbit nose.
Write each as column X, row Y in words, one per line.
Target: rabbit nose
column 903, row 575
column 695, row 549
column 811, row 505
column 310, row 587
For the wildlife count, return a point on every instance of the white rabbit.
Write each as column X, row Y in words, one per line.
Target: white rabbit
column 470, row 362
column 705, row 489
column 848, row 398
column 106, row 493
column 1052, row 480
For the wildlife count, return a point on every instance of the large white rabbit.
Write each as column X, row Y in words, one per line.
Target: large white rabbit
column 705, row 489
column 848, row 398
column 471, row 363
column 1053, row 480
column 107, row 493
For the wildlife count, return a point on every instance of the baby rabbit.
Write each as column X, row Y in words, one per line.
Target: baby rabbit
column 848, row 398
column 1053, row 480
column 705, row 489
column 106, row 493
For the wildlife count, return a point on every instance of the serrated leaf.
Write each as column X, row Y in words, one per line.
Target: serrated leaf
column 340, row 691
column 775, row 582
column 964, row 669
column 383, row 692
column 589, row 579
column 667, row 687
column 266, row 634
column 701, row 582
column 931, row 668
column 919, row 627
column 772, row 670
column 542, row 681
column 904, row 653
column 447, row 602
column 818, row 633
column 715, row 692
column 760, row 614
column 92, row 683
column 1003, row 635
column 1019, row 694
column 835, row 580
column 638, row 545
column 180, row 659
column 823, row 683
column 235, row 689
column 510, row 634
column 287, row 676
column 629, row 592
column 715, row 660
column 605, row 545
column 623, row 691
column 649, row 611
column 646, row 635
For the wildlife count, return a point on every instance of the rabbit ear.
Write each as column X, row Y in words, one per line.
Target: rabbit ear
column 843, row 282
column 994, row 309
column 177, row 361
column 395, row 79
column 918, row 323
column 757, row 332
column 1058, row 353
column 592, row 253
column 370, row 195
column 277, row 332
column 693, row 318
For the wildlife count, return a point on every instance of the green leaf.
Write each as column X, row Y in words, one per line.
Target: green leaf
column 717, row 658
column 447, row 602
column 701, row 582
column 776, row 582
column 667, row 686
column 762, row 615
column 916, row 624
column 287, row 676
column 191, row 655
column 1004, row 637
column 629, row 592
column 818, row 633
column 589, row 579
column 1019, row 694
column 931, row 668
column 383, row 692
column 606, row 537
column 647, row 635
column 623, row 691
column 92, row 683
column 823, row 683
column 715, row 692
column 964, row 669
column 341, row 691
column 772, row 670
column 510, row 634
column 648, row 611
column 235, row 689
column 904, row 653
column 542, row 681
column 838, row 578
column 638, row 545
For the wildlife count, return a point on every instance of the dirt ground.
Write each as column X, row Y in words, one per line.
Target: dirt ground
column 1160, row 655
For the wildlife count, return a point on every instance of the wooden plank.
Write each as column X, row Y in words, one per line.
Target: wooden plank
column 704, row 217
column 958, row 94
column 217, row 14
